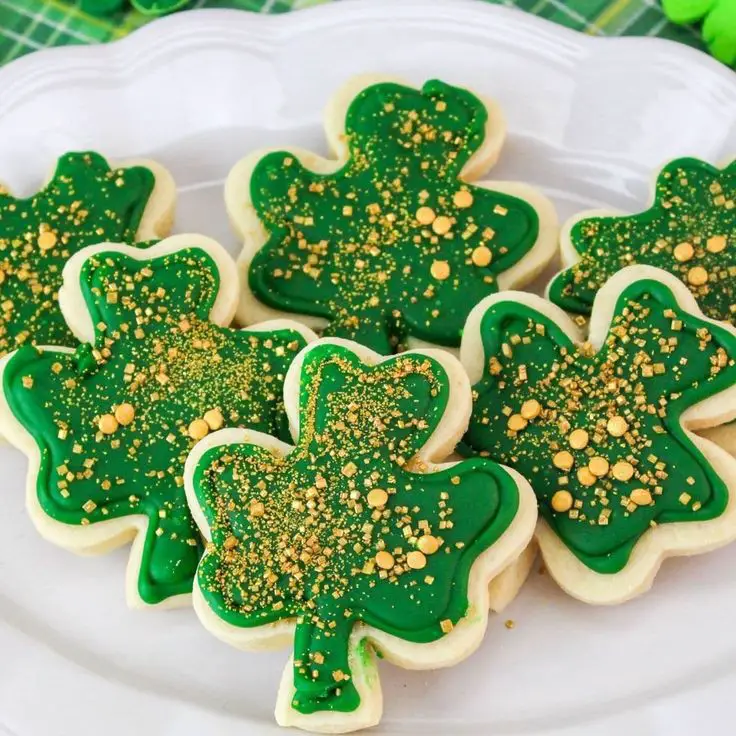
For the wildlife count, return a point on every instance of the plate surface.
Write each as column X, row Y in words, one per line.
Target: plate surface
column 590, row 119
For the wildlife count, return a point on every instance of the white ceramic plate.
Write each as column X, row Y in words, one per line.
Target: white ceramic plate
column 589, row 120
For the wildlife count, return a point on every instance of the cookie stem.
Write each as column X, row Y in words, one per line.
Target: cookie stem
column 322, row 677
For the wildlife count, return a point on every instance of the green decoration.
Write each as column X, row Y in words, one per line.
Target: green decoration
column 719, row 23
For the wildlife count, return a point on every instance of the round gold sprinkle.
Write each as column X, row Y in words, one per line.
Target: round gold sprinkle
column 46, row 240
column 198, row 429
column 683, row 252
column 384, row 560
column 578, row 439
column 416, row 560
column 108, row 424
column 716, row 243
column 442, row 225
column 641, row 497
column 428, row 544
column 598, row 466
column 463, row 199
column 623, row 471
column 516, row 422
column 697, row 276
column 125, row 414
column 214, row 419
column 586, row 477
column 530, row 409
column 425, row 215
column 563, row 460
column 617, row 426
column 562, row 501
column 377, row 497
column 481, row 256
column 440, row 270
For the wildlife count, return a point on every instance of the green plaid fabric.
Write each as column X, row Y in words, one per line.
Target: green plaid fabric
column 29, row 25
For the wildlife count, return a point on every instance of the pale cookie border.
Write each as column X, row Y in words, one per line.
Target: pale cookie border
column 449, row 650
column 667, row 540
column 103, row 536
column 250, row 230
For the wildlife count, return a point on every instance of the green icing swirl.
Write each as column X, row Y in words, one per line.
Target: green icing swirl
column 296, row 537
column 349, row 247
column 695, row 204
column 85, row 202
column 156, row 350
column 657, row 360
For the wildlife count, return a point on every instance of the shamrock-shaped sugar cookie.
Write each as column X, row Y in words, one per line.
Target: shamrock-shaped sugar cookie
column 107, row 427
column 600, row 428
column 389, row 241
column 690, row 231
column 85, row 202
column 353, row 540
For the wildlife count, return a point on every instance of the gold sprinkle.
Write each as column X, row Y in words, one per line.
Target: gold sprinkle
column 108, row 424
column 46, row 240
column 425, row 215
column 349, row 470
column 563, row 460
column 214, row 419
column 442, row 225
column 481, row 256
column 377, row 497
column 684, row 498
column 598, row 466
column 530, row 409
column 683, row 252
column 578, row 439
column 517, row 422
column 623, row 471
column 617, row 426
column 416, row 560
column 446, row 625
column 562, row 501
column 257, row 508
column 463, row 199
column 384, row 560
column 440, row 270
column 89, row 506
column 697, row 276
column 716, row 243
column 198, row 429
column 428, row 544
column 585, row 477
column 125, row 413
column 640, row 497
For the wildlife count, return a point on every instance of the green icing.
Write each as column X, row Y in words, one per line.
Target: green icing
column 349, row 247
column 657, row 360
column 695, row 204
column 296, row 537
column 85, row 202
column 156, row 350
